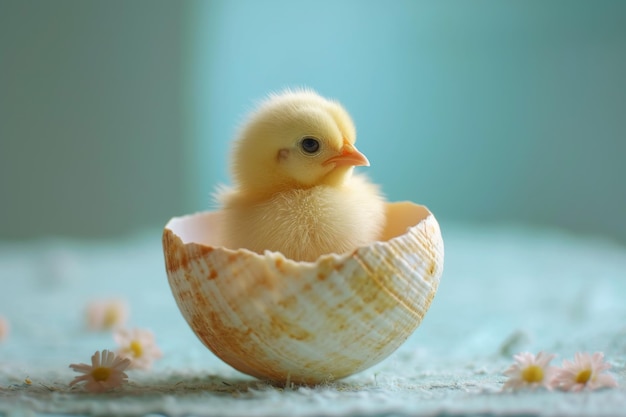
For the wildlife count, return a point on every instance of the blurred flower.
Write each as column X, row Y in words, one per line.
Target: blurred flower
column 103, row 374
column 139, row 346
column 106, row 314
column 585, row 372
column 4, row 328
column 530, row 371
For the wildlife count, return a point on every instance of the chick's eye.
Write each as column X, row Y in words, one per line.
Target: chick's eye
column 310, row 145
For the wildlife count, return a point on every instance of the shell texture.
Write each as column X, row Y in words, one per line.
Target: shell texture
column 305, row 322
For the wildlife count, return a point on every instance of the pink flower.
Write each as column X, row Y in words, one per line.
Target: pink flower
column 4, row 328
column 586, row 372
column 106, row 314
column 530, row 371
column 102, row 375
column 139, row 346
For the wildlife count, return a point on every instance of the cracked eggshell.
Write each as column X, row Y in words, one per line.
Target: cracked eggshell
column 305, row 322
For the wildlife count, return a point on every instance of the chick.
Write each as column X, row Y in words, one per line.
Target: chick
column 294, row 188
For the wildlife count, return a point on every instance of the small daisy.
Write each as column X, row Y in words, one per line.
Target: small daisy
column 4, row 328
column 586, row 372
column 102, row 375
column 530, row 371
column 106, row 314
column 139, row 346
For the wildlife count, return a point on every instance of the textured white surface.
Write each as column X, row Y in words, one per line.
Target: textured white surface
column 502, row 291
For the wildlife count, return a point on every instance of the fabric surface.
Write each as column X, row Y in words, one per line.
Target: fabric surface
column 503, row 291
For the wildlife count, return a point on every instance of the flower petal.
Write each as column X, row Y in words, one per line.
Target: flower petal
column 81, row 367
column 79, row 379
column 604, row 381
column 95, row 359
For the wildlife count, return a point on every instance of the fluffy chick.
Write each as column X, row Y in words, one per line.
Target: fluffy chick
column 294, row 189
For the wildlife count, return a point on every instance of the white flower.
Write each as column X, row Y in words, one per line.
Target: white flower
column 4, row 328
column 106, row 314
column 586, row 372
column 139, row 346
column 103, row 374
column 530, row 371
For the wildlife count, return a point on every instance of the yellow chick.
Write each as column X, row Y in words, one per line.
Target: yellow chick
column 294, row 189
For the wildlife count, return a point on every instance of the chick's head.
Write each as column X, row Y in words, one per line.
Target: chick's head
column 296, row 139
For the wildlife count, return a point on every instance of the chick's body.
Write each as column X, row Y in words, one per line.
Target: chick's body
column 294, row 189
column 306, row 223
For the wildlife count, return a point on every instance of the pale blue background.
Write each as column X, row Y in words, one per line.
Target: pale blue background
column 116, row 115
column 119, row 114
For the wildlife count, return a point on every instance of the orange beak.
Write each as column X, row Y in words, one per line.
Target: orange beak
column 349, row 156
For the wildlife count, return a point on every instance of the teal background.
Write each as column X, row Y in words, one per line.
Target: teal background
column 115, row 116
